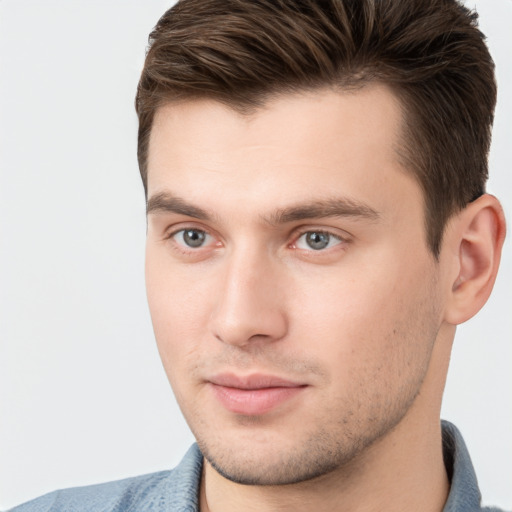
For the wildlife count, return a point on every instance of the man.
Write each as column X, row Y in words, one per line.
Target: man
column 317, row 227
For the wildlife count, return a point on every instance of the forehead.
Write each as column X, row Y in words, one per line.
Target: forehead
column 322, row 111
column 316, row 143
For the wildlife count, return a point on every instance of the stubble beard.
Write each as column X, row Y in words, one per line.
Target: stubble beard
column 322, row 452
column 330, row 444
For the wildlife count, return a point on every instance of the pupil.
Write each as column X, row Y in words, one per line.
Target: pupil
column 317, row 241
column 193, row 238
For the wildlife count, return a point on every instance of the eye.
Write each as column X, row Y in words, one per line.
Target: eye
column 317, row 240
column 192, row 238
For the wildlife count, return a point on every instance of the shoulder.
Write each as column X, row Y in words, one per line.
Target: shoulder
column 155, row 492
column 101, row 497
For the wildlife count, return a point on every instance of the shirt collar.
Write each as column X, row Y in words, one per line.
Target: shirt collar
column 464, row 493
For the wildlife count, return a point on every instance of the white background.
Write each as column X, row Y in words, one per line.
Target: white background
column 83, row 397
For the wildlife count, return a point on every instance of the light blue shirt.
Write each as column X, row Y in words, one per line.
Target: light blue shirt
column 177, row 490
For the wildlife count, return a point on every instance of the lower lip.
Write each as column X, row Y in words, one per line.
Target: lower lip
column 254, row 402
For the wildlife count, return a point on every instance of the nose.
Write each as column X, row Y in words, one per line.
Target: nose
column 249, row 307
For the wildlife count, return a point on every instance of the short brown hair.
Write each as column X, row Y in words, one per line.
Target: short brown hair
column 430, row 52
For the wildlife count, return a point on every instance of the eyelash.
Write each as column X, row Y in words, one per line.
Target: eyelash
column 320, row 232
column 187, row 250
column 182, row 248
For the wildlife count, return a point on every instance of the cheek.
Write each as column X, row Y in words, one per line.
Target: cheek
column 345, row 307
column 179, row 306
column 374, row 322
column 175, row 291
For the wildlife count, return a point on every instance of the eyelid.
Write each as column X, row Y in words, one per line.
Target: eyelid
column 182, row 248
column 182, row 233
column 339, row 234
column 302, row 244
column 342, row 236
column 172, row 230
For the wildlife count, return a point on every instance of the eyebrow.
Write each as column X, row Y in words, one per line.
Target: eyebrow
column 166, row 202
column 334, row 207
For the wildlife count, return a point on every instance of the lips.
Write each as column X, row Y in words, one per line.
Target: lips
column 253, row 395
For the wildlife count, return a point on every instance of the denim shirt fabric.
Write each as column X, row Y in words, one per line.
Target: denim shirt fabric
column 169, row 491
column 464, row 493
column 177, row 490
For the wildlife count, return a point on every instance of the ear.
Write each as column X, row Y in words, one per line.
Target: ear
column 476, row 240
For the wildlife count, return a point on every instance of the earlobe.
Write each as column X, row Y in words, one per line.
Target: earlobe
column 479, row 236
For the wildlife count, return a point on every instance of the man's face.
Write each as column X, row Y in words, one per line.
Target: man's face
column 294, row 300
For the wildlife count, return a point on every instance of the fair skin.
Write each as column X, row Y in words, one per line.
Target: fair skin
column 303, row 322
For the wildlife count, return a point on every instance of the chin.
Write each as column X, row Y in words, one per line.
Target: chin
column 281, row 462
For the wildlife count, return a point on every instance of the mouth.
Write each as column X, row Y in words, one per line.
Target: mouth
column 253, row 395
